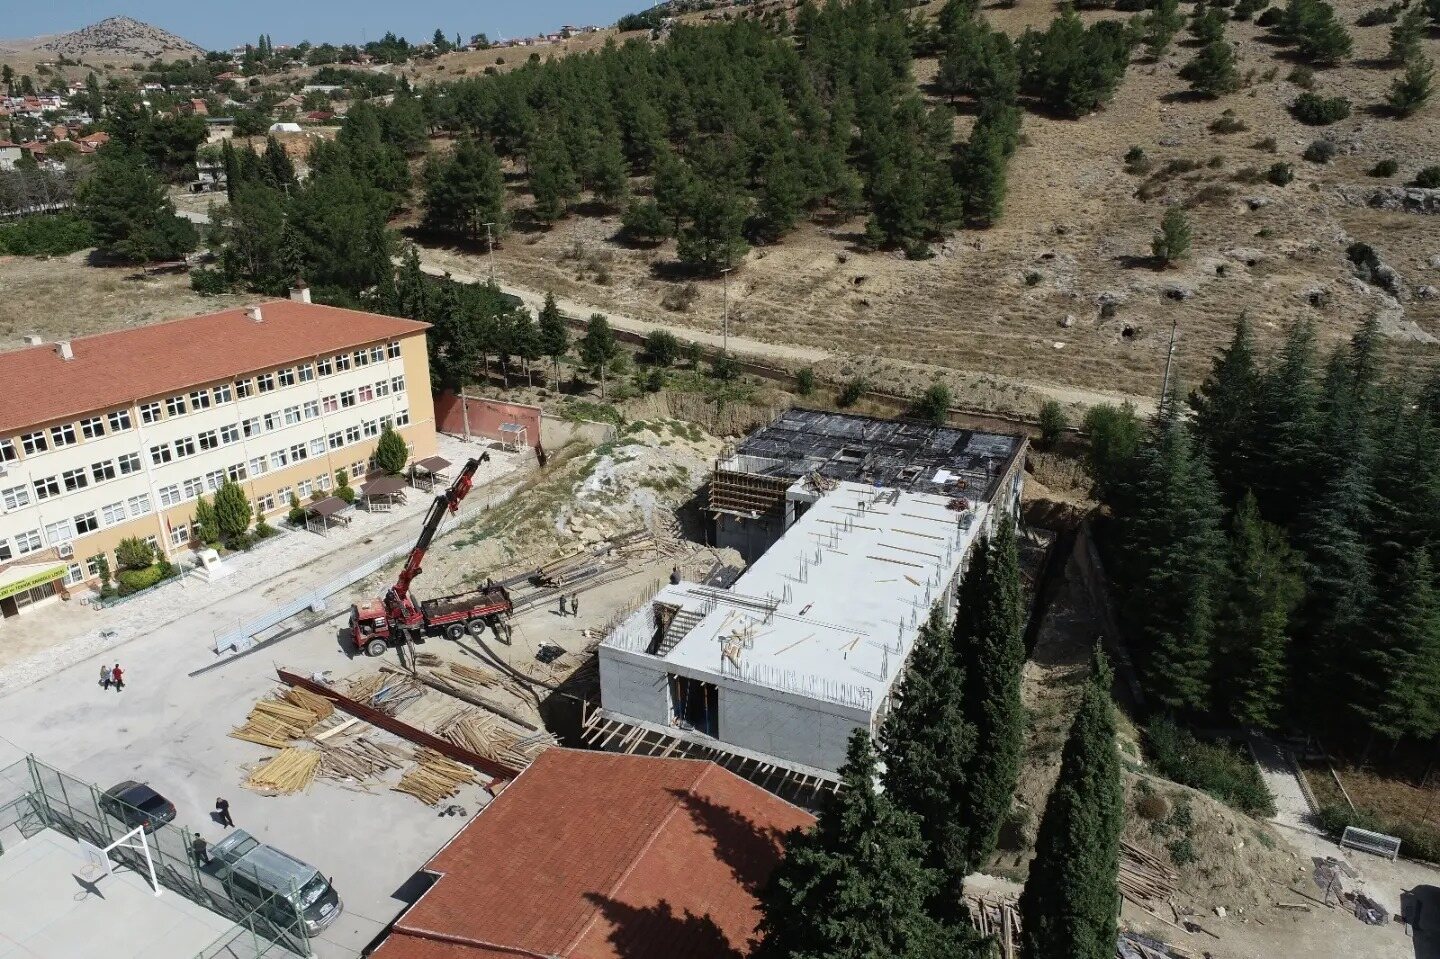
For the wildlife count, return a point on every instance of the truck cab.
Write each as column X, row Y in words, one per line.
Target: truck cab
column 370, row 627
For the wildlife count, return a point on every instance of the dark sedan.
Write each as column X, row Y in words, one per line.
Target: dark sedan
column 136, row 804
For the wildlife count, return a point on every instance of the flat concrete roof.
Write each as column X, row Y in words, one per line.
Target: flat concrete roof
column 50, row 908
column 830, row 611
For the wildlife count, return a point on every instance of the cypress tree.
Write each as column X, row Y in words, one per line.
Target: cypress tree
column 1224, row 407
column 855, row 885
column 927, row 745
column 1404, row 677
column 1262, row 590
column 1071, row 898
column 992, row 654
column 277, row 168
column 554, row 335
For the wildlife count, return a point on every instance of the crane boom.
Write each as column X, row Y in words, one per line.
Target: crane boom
column 398, row 601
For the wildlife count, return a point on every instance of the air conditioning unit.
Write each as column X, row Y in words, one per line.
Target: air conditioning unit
column 65, row 550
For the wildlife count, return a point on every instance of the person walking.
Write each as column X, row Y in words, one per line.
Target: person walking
column 222, row 812
column 574, row 604
column 117, row 676
column 562, row 604
column 104, row 676
column 201, row 849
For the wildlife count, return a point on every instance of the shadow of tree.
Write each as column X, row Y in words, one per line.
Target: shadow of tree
column 652, row 932
column 748, row 848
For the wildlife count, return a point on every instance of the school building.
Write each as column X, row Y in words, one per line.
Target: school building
column 116, row 435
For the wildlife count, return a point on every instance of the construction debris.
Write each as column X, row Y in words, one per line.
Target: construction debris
column 361, row 759
column 998, row 918
column 289, row 716
column 1144, row 879
column 434, row 778
column 496, row 740
column 291, row 771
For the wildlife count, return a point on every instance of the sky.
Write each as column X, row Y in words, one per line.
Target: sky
column 223, row 24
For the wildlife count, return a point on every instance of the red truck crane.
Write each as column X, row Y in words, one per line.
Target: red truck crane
column 398, row 617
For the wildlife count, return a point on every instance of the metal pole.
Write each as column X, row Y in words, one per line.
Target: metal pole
column 490, row 246
column 725, row 280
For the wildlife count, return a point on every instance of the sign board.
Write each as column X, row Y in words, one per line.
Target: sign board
column 31, row 581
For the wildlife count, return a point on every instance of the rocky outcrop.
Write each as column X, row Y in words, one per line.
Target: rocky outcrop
column 1401, row 199
column 121, row 37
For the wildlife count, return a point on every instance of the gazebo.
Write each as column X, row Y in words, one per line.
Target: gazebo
column 429, row 472
column 382, row 493
column 513, row 437
column 321, row 515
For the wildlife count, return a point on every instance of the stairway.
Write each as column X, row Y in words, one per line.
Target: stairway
column 680, row 626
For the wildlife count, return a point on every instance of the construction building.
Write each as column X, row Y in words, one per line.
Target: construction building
column 116, row 435
column 590, row 855
column 861, row 526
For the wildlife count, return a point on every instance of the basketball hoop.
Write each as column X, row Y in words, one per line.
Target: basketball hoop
column 96, row 863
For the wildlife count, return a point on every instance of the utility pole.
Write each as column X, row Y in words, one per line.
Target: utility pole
column 725, row 335
column 490, row 247
column 1169, row 359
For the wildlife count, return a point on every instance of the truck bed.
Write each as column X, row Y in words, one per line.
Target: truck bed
column 495, row 599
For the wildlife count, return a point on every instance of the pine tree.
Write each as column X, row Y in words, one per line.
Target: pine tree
column 782, row 195
column 552, row 179
column 391, row 452
column 1407, row 36
column 1211, row 73
column 598, row 347
column 1224, row 407
column 465, row 192
column 992, row 653
column 553, row 334
column 279, row 171
column 712, row 241
column 643, row 222
column 1411, row 90
column 675, row 189
column 927, row 746
column 232, row 169
column 1071, row 898
column 1160, row 27
column 206, row 530
column 609, row 175
column 232, row 510
column 129, row 211
column 1286, row 440
column 1263, row 588
column 855, row 885
column 1406, row 674
column 1207, row 24
column 1172, row 241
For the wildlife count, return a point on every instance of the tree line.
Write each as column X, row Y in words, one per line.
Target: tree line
column 1275, row 550
column 882, row 872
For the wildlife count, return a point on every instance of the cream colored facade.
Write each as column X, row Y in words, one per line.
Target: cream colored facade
column 137, row 470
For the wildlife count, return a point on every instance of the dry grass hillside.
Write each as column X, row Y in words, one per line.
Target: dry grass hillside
column 1076, row 236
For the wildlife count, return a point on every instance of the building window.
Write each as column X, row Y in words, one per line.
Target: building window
column 397, row 383
column 92, row 565
column 208, row 439
column 324, row 482
column 46, row 487
column 175, row 406
column 337, row 440
column 372, row 427
column 317, row 446
column 103, row 470
column 358, row 469
column 6, row 553
column 402, row 418
column 221, row 393
column 265, row 503
column 362, row 357
column 342, row 363
column 93, row 428
column 86, row 523
column 169, row 496
column 154, row 543
column 393, row 350
column 193, row 488
column 382, row 388
column 230, row 434
column 74, row 574
column 366, row 393
column 377, row 354
column 298, row 452
column 179, row 534
column 150, row 413
column 74, row 479
column 265, row 382
column 200, row 400
column 159, row 455
column 251, row 426
column 244, row 388
column 312, row 409
column 215, row 479
column 292, row 415
column 352, row 434
column 386, row 422
column 119, row 421
column 286, row 377
column 129, row 463
column 305, row 373
column 347, row 398
column 63, row 435
column 185, row 446
column 7, row 452
column 16, row 497
column 112, row 514
column 272, row 421
column 28, row 542
column 138, row 505
column 236, row 472
column 278, row 459
column 332, row 403
column 302, row 488
column 325, row 367
column 259, row 466
column 34, row 443
column 61, row 532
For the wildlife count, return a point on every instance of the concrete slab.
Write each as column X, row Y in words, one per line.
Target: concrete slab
column 52, row 907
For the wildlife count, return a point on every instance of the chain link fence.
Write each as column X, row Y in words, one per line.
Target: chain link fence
column 35, row 796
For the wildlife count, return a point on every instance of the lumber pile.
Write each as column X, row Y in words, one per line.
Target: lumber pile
column 1144, row 879
column 290, row 771
column 434, row 777
column 277, row 721
column 360, row 759
column 495, row 739
column 389, row 690
column 998, row 918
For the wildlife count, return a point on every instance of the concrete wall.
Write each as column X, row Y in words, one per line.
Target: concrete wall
column 474, row 416
column 748, row 537
column 631, row 685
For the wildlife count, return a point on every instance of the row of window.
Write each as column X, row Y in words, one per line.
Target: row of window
column 45, row 487
column 58, row 437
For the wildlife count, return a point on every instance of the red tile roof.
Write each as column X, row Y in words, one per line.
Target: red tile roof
column 113, row 369
column 590, row 855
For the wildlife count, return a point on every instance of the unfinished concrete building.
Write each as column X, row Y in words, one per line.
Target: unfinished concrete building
column 856, row 528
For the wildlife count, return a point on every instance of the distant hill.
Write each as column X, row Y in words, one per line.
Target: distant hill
column 114, row 38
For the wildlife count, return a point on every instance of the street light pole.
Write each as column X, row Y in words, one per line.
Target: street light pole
column 490, row 248
column 725, row 280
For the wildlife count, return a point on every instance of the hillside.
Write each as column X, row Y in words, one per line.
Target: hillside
column 110, row 40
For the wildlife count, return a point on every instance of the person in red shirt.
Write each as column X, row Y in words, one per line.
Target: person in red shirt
column 117, row 677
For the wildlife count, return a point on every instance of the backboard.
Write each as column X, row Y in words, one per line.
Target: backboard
column 96, row 862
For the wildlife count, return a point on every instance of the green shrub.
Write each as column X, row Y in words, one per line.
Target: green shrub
column 1375, row 16
column 1052, row 423
column 1246, row 9
column 1280, row 173
column 134, row 580
column 805, row 381
column 296, row 516
column 851, row 392
column 1221, row 769
column 933, row 404
column 133, row 553
column 1428, row 178
column 1320, row 111
column 1228, row 122
column 1302, row 77
column 662, row 348
column 1272, row 16
column 724, row 367
column 208, row 282
column 1385, row 167
column 1321, row 151
column 56, row 235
